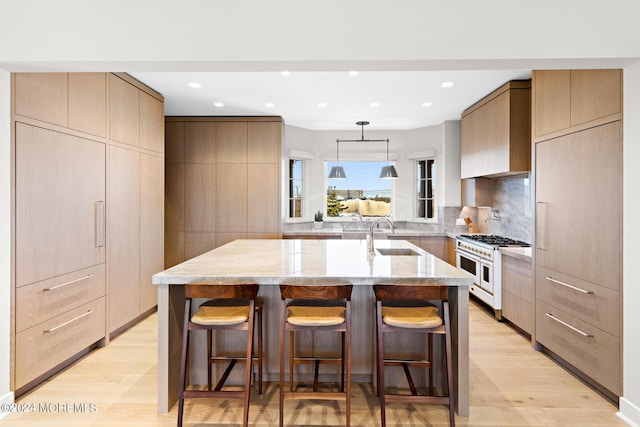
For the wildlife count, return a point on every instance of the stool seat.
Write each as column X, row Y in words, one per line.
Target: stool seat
column 315, row 315
column 411, row 317
column 208, row 315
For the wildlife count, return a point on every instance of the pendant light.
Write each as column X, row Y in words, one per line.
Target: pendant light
column 387, row 172
column 337, row 171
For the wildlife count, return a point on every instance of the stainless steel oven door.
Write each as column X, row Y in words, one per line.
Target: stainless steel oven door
column 469, row 263
column 486, row 276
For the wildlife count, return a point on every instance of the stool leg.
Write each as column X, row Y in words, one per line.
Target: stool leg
column 380, row 353
column 343, row 336
column 248, row 364
column 348, row 339
column 183, row 360
column 430, row 356
column 209, row 354
column 282, row 356
column 445, row 309
column 291, row 356
column 260, row 351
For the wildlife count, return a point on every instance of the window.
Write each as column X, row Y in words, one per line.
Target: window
column 295, row 188
column 426, row 189
column 362, row 194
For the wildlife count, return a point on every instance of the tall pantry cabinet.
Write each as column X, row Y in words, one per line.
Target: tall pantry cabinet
column 577, row 133
column 88, row 213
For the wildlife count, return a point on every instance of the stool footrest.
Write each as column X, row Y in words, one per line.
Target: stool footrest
column 230, row 394
column 320, row 395
column 441, row 400
column 416, row 363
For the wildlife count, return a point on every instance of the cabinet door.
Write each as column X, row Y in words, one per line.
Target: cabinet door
column 263, row 198
column 151, row 123
column 60, row 194
column 264, row 142
column 231, row 198
column 43, row 96
column 231, row 142
column 124, row 236
column 124, row 111
column 151, row 227
column 595, row 94
column 579, row 202
column 88, row 103
column 551, row 101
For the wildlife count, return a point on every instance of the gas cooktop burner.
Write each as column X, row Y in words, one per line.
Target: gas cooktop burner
column 493, row 240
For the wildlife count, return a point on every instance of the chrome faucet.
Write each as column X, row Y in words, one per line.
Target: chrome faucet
column 370, row 247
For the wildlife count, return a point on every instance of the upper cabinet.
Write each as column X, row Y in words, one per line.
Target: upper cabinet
column 571, row 100
column 496, row 133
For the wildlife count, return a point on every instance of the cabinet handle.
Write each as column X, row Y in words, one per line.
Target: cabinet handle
column 68, row 322
column 542, row 220
column 67, row 283
column 552, row 317
column 566, row 285
column 99, row 221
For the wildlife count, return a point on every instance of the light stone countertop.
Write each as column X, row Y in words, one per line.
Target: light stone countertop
column 329, row 231
column 274, row 261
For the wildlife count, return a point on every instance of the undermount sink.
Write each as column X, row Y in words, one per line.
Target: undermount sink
column 397, row 251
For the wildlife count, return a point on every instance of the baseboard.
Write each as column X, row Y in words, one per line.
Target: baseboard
column 7, row 399
column 629, row 412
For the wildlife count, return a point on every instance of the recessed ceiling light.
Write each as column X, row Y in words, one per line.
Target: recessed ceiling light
column 427, row 104
column 447, row 84
column 374, row 104
column 269, row 105
column 353, row 73
column 194, row 85
column 322, row 104
column 285, row 73
column 218, row 104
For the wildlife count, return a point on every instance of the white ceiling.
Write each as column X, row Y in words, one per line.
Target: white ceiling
column 400, row 95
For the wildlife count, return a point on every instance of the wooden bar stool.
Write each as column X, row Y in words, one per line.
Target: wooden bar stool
column 407, row 308
column 218, row 316
column 213, row 359
column 316, row 308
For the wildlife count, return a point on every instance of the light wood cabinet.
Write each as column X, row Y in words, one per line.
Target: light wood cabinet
column 88, row 213
column 124, row 236
column 566, row 101
column 578, row 222
column 495, row 133
column 223, row 182
column 518, row 293
column 60, row 202
column 451, row 251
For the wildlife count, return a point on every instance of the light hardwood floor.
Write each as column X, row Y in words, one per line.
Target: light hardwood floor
column 511, row 385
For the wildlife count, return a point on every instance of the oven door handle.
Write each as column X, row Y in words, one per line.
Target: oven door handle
column 468, row 255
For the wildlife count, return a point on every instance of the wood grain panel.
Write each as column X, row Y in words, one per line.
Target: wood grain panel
column 151, row 123
column 200, row 197
column 151, row 227
column 231, row 198
column 597, row 355
column 224, row 238
column 578, row 183
column 264, row 142
column 174, row 204
column 38, row 351
column 198, row 243
column 88, row 103
column 59, row 180
column 601, row 307
column 518, row 311
column 231, row 142
column 434, row 245
column 52, row 297
column 451, row 251
column 595, row 94
column 174, row 142
column 200, row 142
column 263, row 198
column 517, row 278
column 43, row 96
column 551, row 101
column 124, row 236
column 124, row 111
column 173, row 248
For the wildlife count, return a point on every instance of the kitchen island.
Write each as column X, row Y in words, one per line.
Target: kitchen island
column 271, row 262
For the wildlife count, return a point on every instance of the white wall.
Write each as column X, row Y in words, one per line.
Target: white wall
column 6, row 396
column 630, row 402
column 322, row 146
column 451, row 165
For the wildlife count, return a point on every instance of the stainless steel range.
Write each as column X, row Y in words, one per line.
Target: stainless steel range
column 479, row 255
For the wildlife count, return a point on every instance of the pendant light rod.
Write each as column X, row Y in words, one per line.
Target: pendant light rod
column 362, row 124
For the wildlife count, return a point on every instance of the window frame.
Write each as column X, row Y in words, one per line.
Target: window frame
column 290, row 186
column 430, row 176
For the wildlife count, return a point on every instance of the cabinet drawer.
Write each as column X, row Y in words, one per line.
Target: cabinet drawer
column 516, row 278
column 44, row 346
column 596, row 305
column 518, row 311
column 49, row 298
column 597, row 354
